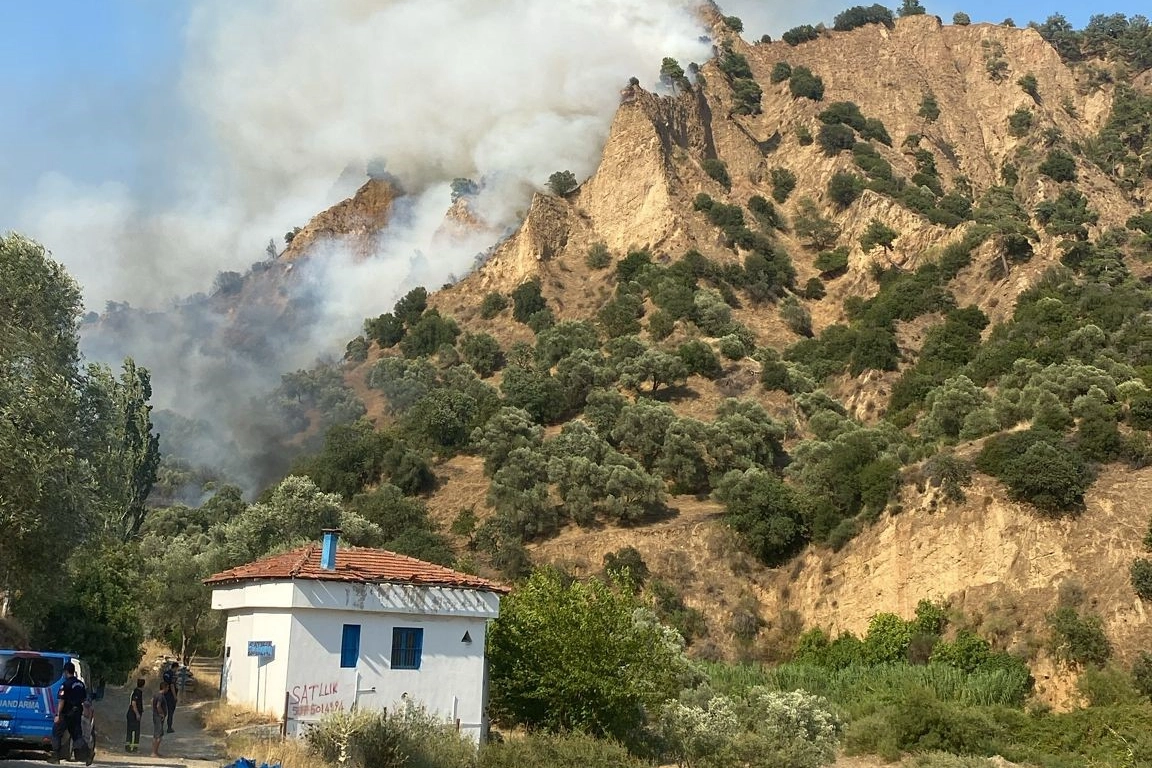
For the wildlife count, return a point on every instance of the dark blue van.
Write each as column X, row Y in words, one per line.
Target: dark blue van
column 29, row 689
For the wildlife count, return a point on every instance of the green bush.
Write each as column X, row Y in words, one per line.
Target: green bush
column 718, row 171
column 844, row 188
column 1142, row 674
column 1107, row 686
column 874, row 129
column 803, row 136
column 386, row 330
column 746, row 95
column 781, row 71
column 1076, row 639
column 814, row 289
column 493, row 304
column 961, row 19
column 1141, row 577
column 699, row 358
column 800, row 34
column 1020, row 122
column 1059, row 166
column 834, row 138
column 929, row 108
column 783, row 182
column 802, row 84
column 599, row 257
column 859, row 15
column 1029, row 85
column 405, row 738
column 527, row 300
column 832, row 263
column 842, row 112
column 562, row 182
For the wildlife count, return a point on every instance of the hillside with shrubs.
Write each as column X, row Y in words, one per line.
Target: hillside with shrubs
column 815, row 421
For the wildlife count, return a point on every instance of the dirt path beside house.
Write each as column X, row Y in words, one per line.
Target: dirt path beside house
column 190, row 745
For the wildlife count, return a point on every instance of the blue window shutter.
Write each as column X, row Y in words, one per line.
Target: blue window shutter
column 350, row 646
column 407, row 645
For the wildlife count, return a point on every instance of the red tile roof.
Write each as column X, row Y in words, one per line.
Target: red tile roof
column 356, row 564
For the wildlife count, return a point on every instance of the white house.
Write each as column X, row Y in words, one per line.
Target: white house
column 326, row 628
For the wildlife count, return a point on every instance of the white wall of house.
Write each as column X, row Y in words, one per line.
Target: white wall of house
column 256, row 682
column 305, row 620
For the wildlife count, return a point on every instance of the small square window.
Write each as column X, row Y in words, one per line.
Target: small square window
column 350, row 646
column 407, row 643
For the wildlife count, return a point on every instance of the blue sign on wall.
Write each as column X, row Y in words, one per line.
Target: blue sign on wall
column 261, row 648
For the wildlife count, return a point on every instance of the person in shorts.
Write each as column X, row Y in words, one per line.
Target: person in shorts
column 159, row 717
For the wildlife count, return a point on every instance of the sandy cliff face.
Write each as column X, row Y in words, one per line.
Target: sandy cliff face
column 997, row 561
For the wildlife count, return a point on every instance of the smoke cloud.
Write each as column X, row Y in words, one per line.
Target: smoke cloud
column 282, row 97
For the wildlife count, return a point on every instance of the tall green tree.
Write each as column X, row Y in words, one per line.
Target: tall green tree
column 45, row 485
column 571, row 655
column 124, row 450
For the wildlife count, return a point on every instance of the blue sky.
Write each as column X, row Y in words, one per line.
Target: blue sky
column 87, row 90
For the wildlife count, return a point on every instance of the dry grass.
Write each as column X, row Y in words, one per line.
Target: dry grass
column 221, row 717
column 290, row 753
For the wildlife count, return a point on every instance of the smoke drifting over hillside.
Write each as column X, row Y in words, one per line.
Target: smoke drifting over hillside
column 286, row 95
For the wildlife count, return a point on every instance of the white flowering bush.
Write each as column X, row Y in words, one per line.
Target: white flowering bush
column 788, row 729
column 699, row 735
column 766, row 729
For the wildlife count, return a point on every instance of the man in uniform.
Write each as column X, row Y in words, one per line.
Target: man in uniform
column 69, row 711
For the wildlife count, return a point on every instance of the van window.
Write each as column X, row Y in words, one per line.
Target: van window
column 32, row 671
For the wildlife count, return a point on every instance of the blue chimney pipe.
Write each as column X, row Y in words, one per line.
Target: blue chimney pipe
column 328, row 550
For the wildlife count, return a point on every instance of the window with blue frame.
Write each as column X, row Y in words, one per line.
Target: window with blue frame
column 350, row 646
column 407, row 643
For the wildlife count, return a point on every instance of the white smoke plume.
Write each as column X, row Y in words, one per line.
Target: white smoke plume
column 284, row 95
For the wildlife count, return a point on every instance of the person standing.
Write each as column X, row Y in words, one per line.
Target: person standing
column 169, row 678
column 159, row 713
column 69, row 710
column 135, row 712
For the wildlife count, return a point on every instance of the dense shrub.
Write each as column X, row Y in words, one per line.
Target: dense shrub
column 781, row 71
column 1020, row 122
column 802, row 84
column 493, row 304
column 386, row 330
column 832, row 263
column 800, row 34
column 878, row 234
column 699, row 358
column 718, row 171
column 746, row 96
column 428, row 334
column 929, row 108
column 1141, row 577
column 859, row 15
column 562, row 182
column 482, row 352
column 1059, row 166
column 1078, row 639
column 734, row 65
column 844, row 188
column 599, row 257
column 845, row 112
column 527, row 300
column 835, row 138
column 783, row 182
